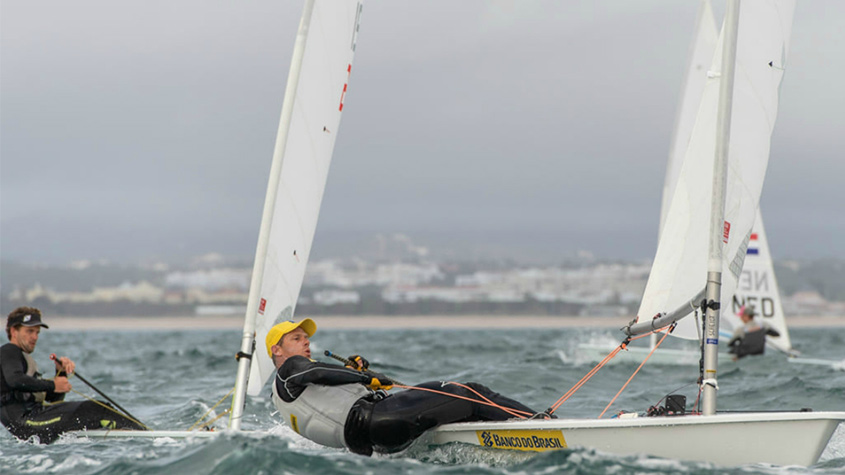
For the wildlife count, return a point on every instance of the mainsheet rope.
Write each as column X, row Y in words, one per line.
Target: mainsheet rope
column 484, row 400
column 197, row 423
column 568, row 394
column 656, row 346
column 600, row 365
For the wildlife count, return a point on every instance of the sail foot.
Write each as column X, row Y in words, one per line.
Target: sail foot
column 662, row 320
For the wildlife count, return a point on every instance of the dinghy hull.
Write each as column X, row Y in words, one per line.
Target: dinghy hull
column 146, row 434
column 784, row 438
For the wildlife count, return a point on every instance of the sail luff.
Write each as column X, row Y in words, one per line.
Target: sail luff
column 248, row 337
column 700, row 56
column 316, row 109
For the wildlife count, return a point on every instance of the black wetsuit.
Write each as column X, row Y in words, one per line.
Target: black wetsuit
column 388, row 423
column 25, row 417
column 752, row 341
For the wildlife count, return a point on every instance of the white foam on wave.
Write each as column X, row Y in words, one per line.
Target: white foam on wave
column 37, row 463
column 75, row 462
column 294, row 440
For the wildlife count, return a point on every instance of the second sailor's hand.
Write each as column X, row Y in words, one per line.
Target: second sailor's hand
column 66, row 364
column 62, row 384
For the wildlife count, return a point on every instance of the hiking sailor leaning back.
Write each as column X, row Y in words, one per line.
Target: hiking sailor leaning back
column 750, row 337
column 32, row 406
column 348, row 407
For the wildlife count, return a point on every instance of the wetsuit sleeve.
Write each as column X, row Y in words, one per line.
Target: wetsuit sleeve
column 298, row 371
column 737, row 335
column 14, row 372
column 770, row 331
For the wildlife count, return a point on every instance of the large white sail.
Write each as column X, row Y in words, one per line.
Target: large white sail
column 700, row 57
column 757, row 285
column 680, row 265
column 311, row 114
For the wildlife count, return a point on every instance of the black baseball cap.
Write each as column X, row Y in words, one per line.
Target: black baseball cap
column 27, row 320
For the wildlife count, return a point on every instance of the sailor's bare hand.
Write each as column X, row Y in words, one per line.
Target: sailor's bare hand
column 62, row 384
column 65, row 363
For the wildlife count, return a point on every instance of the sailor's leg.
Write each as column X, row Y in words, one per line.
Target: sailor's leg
column 100, row 415
column 51, row 421
column 47, row 422
column 490, row 413
column 402, row 417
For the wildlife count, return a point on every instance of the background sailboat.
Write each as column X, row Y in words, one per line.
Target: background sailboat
column 720, row 179
column 757, row 286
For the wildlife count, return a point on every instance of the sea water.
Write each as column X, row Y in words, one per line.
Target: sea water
column 170, row 379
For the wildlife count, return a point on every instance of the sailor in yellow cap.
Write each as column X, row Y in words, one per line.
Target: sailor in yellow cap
column 347, row 407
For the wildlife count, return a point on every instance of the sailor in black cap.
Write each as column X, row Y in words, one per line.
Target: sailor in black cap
column 32, row 406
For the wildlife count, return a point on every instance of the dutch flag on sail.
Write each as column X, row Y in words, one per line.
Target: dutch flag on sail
column 752, row 245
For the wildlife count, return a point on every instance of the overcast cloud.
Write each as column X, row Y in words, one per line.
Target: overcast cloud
column 138, row 129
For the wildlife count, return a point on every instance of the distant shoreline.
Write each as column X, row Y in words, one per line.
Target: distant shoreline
column 232, row 322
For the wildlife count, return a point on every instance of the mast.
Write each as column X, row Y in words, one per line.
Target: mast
column 719, row 228
column 248, row 337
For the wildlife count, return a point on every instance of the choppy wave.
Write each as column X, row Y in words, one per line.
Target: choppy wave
column 170, row 379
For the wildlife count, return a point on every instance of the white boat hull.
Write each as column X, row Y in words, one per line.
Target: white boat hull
column 146, row 434
column 634, row 354
column 784, row 438
column 671, row 356
column 834, row 364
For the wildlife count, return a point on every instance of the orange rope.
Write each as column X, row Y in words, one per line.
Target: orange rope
column 484, row 401
column 599, row 366
column 635, row 373
column 586, row 377
column 575, row 388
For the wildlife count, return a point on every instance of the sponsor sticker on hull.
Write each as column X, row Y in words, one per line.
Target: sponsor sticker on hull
column 525, row 440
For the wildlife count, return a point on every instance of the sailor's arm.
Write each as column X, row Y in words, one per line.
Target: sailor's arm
column 15, row 375
column 298, row 371
column 769, row 330
column 737, row 335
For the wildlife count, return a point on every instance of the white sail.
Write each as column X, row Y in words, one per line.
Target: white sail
column 758, row 288
column 757, row 285
column 680, row 265
column 700, row 56
column 311, row 114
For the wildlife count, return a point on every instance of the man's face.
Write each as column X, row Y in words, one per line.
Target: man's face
column 25, row 338
column 295, row 343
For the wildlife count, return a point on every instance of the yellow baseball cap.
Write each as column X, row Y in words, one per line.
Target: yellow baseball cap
column 281, row 329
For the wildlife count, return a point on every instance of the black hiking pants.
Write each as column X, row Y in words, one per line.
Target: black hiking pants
column 391, row 424
column 50, row 421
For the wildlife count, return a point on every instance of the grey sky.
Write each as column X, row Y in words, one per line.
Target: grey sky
column 134, row 129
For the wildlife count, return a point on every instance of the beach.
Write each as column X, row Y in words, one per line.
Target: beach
column 346, row 322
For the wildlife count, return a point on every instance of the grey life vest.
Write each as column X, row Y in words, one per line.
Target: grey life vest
column 320, row 412
column 32, row 370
